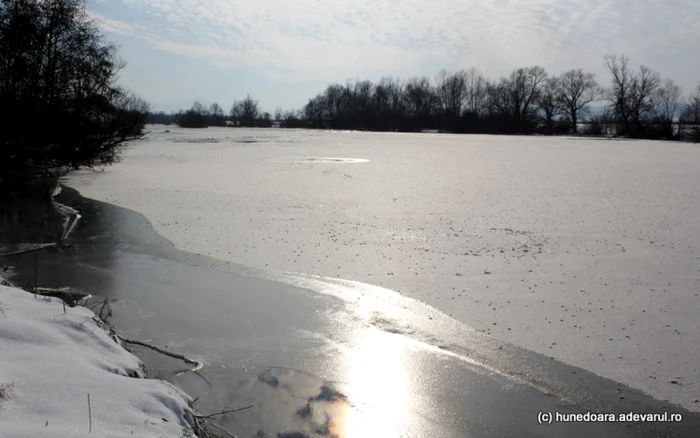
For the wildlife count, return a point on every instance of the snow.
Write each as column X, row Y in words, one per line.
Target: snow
column 50, row 361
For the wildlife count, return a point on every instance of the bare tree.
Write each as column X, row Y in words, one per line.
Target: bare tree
column 381, row 106
column 195, row 117
column 217, row 114
column 575, row 90
column 278, row 114
column 549, row 104
column 494, row 98
column 633, row 94
column 397, row 105
column 441, row 90
column 314, row 111
column 521, row 89
column 245, row 111
column 265, row 120
column 451, row 90
column 250, row 110
column 362, row 97
column 236, row 111
column 199, row 108
column 619, row 92
column 668, row 103
column 475, row 92
column 643, row 95
column 293, row 118
column 336, row 103
column 420, row 99
column 691, row 114
column 515, row 96
column 133, row 111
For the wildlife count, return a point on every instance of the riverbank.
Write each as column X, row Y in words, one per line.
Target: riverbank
column 62, row 375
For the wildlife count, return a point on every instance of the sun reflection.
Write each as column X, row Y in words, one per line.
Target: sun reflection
column 377, row 388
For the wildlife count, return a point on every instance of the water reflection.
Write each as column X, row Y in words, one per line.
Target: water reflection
column 378, row 387
column 374, row 400
column 32, row 223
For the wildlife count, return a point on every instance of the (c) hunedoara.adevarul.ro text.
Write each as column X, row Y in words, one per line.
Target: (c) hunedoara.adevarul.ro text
column 547, row 417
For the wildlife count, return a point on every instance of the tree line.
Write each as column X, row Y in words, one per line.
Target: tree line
column 243, row 113
column 637, row 103
column 61, row 107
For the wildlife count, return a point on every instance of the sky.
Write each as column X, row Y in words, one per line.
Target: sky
column 283, row 52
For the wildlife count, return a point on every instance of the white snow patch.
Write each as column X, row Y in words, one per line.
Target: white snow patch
column 50, row 361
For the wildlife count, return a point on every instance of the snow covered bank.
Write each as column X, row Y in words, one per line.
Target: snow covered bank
column 50, row 361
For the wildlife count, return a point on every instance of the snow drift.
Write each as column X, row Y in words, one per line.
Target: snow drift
column 50, row 361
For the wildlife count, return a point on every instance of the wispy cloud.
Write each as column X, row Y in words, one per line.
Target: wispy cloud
column 113, row 26
column 334, row 39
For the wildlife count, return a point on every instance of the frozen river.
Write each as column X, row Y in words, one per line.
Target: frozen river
column 587, row 251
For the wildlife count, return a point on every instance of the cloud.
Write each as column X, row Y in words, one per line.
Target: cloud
column 113, row 26
column 336, row 39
